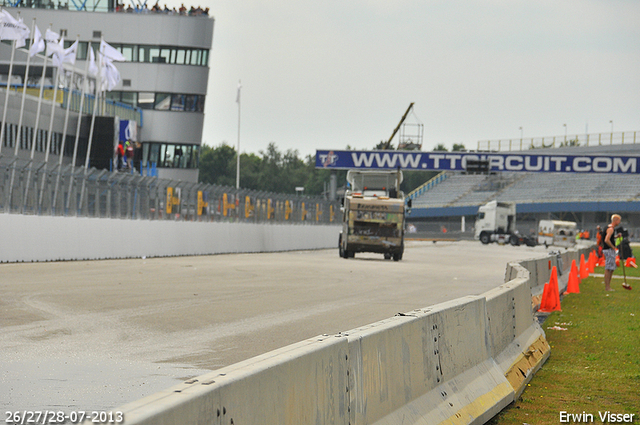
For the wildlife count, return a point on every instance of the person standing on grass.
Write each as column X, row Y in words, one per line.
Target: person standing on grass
column 609, row 251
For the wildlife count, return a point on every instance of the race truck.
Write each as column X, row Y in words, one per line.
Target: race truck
column 373, row 214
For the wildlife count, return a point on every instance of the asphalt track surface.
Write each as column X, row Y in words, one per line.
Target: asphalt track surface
column 93, row 335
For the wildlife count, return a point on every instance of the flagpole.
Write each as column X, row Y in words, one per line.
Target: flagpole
column 93, row 120
column 75, row 145
column 50, row 131
column 64, row 130
column 35, row 126
column 19, row 134
column 238, row 152
column 6, row 96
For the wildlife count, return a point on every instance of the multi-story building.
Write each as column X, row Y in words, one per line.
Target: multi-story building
column 165, row 74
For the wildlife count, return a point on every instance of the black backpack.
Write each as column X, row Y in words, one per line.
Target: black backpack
column 603, row 234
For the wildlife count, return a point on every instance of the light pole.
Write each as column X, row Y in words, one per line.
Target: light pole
column 520, row 138
column 565, row 133
column 611, row 138
column 238, row 153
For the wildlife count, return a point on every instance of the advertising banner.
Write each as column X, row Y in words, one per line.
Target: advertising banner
column 128, row 130
column 457, row 161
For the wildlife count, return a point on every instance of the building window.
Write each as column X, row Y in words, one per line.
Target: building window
column 162, row 54
column 146, row 100
column 177, row 102
column 170, row 155
column 162, row 102
column 128, row 51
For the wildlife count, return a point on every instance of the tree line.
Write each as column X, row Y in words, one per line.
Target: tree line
column 272, row 170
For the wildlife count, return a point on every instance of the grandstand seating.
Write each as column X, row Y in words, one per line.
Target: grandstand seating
column 464, row 190
column 460, row 189
column 448, row 190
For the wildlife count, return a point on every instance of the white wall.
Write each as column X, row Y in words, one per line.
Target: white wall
column 38, row 238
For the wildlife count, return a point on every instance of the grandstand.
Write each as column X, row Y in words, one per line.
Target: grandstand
column 588, row 199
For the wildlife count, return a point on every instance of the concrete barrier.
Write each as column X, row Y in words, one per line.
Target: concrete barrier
column 429, row 367
column 540, row 268
column 458, row 362
column 304, row 383
column 42, row 238
column 517, row 342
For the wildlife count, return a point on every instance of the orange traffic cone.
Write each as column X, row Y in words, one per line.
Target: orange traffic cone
column 551, row 294
column 592, row 261
column 573, row 284
column 631, row 262
column 584, row 272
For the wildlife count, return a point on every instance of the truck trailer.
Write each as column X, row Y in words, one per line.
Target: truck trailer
column 557, row 232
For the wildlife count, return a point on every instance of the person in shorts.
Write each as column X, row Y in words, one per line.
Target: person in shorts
column 610, row 252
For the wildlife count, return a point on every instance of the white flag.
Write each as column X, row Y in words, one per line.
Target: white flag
column 69, row 54
column 110, row 75
column 110, row 52
column 93, row 68
column 60, row 55
column 11, row 29
column 38, row 43
column 51, row 37
column 54, row 47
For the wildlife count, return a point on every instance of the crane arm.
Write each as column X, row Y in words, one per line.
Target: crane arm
column 404, row 117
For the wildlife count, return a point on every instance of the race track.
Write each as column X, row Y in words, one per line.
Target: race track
column 98, row 334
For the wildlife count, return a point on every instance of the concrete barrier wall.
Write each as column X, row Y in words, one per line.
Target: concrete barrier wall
column 457, row 362
column 40, row 238
column 540, row 269
column 430, row 366
column 517, row 342
column 304, row 383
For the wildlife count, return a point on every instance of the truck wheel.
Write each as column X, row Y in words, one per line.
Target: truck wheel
column 484, row 238
column 340, row 248
column 513, row 240
column 397, row 257
column 387, row 256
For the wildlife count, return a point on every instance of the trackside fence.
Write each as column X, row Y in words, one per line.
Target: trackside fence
column 457, row 362
column 571, row 140
column 34, row 189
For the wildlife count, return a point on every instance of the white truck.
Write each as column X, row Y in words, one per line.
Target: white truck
column 373, row 215
column 557, row 232
column 496, row 222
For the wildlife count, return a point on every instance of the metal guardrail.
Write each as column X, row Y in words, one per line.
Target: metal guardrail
column 572, row 140
column 38, row 190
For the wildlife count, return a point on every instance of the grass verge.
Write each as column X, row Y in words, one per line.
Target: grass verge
column 595, row 357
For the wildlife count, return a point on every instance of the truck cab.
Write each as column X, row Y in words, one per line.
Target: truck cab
column 496, row 222
column 373, row 214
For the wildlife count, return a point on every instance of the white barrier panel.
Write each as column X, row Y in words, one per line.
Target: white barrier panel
column 516, row 341
column 42, row 238
column 430, row 366
column 304, row 383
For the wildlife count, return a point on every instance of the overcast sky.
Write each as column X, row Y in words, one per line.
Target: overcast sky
column 324, row 74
